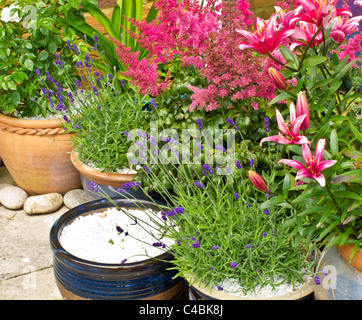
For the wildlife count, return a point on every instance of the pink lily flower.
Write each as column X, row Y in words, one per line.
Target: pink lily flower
column 290, row 130
column 267, row 36
column 320, row 12
column 306, row 31
column 303, row 108
column 358, row 2
column 258, row 181
column 343, row 27
column 315, row 164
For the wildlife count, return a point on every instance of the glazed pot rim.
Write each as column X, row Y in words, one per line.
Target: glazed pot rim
column 304, row 291
column 31, row 124
column 71, row 214
column 96, row 173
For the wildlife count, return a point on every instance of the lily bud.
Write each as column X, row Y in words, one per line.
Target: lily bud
column 257, row 181
column 277, row 78
column 302, row 108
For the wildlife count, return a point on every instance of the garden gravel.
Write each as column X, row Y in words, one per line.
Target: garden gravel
column 95, row 237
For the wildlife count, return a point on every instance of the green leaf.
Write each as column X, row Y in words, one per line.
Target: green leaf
column 355, row 130
column 116, row 19
column 29, row 64
column 15, row 98
column 286, row 185
column 102, row 19
column 334, row 142
column 312, row 61
column 43, row 55
column 52, row 47
column 288, row 55
column 280, row 97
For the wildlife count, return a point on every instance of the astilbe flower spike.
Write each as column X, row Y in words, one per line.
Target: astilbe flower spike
column 314, row 164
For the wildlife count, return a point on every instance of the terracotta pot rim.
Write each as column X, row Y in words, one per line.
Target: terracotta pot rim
column 304, row 291
column 96, row 174
column 346, row 249
column 30, row 124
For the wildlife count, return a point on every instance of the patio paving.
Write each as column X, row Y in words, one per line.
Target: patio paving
column 26, row 262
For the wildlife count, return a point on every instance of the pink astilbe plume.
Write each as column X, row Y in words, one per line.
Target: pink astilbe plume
column 205, row 38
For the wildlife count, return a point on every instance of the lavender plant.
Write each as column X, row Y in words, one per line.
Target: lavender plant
column 98, row 108
column 221, row 233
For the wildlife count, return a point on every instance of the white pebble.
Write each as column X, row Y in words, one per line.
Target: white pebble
column 94, row 237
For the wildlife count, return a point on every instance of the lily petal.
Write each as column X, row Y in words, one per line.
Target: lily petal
column 292, row 163
column 303, row 173
column 297, row 124
column 271, row 138
column 319, row 150
column 320, row 179
column 325, row 164
column 281, row 123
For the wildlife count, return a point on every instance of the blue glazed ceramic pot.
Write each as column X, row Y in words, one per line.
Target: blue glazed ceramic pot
column 79, row 279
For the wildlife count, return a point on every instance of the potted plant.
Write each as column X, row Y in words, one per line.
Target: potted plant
column 224, row 242
column 323, row 115
column 111, row 264
column 100, row 111
column 34, row 147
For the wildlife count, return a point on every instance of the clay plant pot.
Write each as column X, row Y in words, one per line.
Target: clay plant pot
column 103, row 180
column 80, row 279
column 36, row 154
column 339, row 279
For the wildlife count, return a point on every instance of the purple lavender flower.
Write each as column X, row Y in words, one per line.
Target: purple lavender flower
column 264, row 234
column 219, row 147
column 238, row 164
column 199, row 123
column 220, row 288
column 95, row 38
column 232, row 122
column 317, row 281
column 69, row 45
column 248, row 246
column 266, row 211
column 236, row 195
column 87, row 57
column 252, row 162
column 93, row 186
column 233, row 264
column 147, row 169
column 119, row 229
column 70, row 96
column 123, row 261
column 200, row 145
column 215, row 247
column 38, row 73
column 199, row 185
column 266, row 124
column 196, row 244
column 76, row 49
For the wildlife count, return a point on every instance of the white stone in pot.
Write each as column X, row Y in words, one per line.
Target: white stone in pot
column 45, row 203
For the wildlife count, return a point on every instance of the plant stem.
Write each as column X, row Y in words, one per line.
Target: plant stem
column 282, row 64
column 334, row 200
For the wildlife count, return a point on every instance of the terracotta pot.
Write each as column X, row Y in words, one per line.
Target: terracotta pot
column 103, row 180
column 346, row 251
column 199, row 291
column 35, row 152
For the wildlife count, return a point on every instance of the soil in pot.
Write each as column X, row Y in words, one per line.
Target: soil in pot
column 79, row 278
